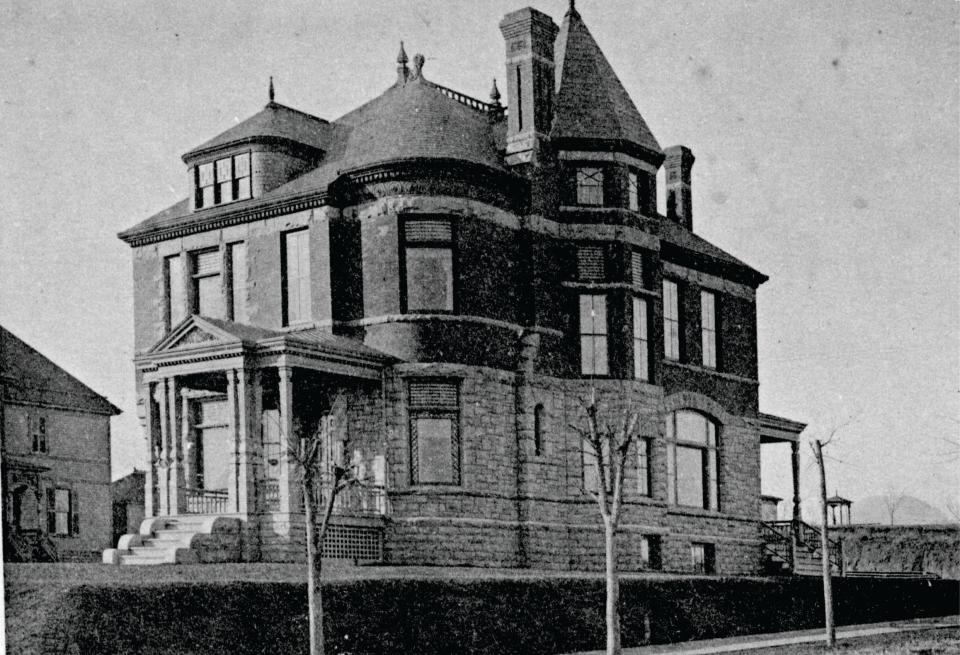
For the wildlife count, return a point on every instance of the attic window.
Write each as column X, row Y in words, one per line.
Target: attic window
column 222, row 181
column 590, row 186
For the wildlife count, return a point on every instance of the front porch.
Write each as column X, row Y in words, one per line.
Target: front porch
column 225, row 406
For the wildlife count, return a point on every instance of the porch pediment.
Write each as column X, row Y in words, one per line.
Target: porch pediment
column 201, row 332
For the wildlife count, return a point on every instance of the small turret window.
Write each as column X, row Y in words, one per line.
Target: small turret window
column 590, row 186
column 222, row 181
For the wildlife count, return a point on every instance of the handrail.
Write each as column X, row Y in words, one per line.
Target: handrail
column 204, row 501
column 777, row 534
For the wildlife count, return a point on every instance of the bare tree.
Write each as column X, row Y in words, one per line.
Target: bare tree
column 892, row 501
column 817, row 445
column 320, row 481
column 609, row 446
column 952, row 505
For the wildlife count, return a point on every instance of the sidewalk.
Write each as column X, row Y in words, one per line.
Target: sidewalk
column 771, row 640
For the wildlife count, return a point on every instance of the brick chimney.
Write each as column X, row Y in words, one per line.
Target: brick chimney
column 678, row 167
column 529, row 35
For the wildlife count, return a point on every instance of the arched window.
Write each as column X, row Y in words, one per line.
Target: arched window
column 692, row 460
column 538, row 426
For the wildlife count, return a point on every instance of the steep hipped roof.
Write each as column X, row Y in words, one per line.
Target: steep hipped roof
column 29, row 377
column 591, row 103
column 275, row 121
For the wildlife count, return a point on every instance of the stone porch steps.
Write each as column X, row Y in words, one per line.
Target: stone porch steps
column 181, row 539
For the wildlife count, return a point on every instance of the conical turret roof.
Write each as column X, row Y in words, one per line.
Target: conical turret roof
column 591, row 102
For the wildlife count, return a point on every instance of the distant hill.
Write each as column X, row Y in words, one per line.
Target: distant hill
column 910, row 511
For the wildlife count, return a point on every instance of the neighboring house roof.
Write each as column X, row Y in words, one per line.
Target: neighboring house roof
column 591, row 102
column 129, row 488
column 31, row 378
column 275, row 121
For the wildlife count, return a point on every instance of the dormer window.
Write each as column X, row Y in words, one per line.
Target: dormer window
column 222, row 181
column 590, row 186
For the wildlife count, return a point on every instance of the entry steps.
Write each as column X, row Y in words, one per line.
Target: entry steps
column 182, row 539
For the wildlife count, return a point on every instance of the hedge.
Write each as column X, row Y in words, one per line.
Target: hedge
column 494, row 616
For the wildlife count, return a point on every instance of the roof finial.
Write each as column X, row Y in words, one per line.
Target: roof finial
column 402, row 71
column 402, row 57
column 573, row 7
column 495, row 94
column 270, row 90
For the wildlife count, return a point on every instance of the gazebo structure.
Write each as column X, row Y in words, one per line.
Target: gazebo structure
column 838, row 511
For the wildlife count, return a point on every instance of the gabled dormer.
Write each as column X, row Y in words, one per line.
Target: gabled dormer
column 263, row 152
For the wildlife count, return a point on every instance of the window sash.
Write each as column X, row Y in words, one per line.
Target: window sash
column 644, row 451
column 692, row 471
column 296, row 276
column 590, row 186
column 671, row 320
column 594, row 358
column 429, row 278
column 708, row 326
column 641, row 346
column 633, row 192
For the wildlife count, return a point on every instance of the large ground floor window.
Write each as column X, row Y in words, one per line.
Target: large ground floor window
column 692, row 460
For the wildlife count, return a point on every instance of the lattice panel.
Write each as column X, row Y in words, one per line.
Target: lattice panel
column 347, row 542
column 433, row 394
column 636, row 268
column 590, row 263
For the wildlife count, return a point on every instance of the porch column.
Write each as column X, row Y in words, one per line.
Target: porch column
column 165, row 461
column 289, row 498
column 238, row 391
column 178, row 500
column 795, row 465
column 188, row 444
column 150, row 475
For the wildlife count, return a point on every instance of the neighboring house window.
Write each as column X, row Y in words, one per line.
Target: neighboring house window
column 428, row 265
column 633, row 192
column 591, row 264
column 295, row 262
column 39, row 444
column 591, row 473
column 538, row 426
column 636, row 269
column 590, row 186
column 434, row 410
column 237, row 266
column 641, row 346
column 207, row 289
column 644, row 452
column 593, row 335
column 692, row 460
column 671, row 320
column 222, row 181
column 173, row 290
column 703, row 558
column 708, row 327
column 62, row 516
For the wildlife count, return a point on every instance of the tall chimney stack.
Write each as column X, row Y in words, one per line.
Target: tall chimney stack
column 678, row 167
column 529, row 35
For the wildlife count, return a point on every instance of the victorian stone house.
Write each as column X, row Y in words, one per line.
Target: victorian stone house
column 55, row 457
column 432, row 284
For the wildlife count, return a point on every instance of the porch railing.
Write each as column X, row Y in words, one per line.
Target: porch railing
column 205, row 501
column 779, row 538
column 355, row 500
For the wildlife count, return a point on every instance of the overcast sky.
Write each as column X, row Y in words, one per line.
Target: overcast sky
column 826, row 137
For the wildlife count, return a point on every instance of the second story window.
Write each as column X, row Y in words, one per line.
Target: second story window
column 708, row 328
column 176, row 306
column 590, row 186
column 237, row 266
column 39, row 441
column 671, row 320
column 207, row 290
column 593, row 335
column 633, row 192
column 641, row 346
column 427, row 259
column 295, row 276
column 221, row 181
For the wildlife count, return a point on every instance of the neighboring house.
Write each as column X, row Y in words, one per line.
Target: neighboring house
column 433, row 284
column 56, row 459
column 128, row 510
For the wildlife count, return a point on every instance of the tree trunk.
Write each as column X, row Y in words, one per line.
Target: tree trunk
column 314, row 598
column 825, row 550
column 613, row 589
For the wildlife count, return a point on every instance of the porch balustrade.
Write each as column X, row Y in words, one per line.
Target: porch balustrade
column 205, row 501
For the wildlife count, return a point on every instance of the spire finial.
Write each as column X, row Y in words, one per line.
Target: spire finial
column 402, row 57
column 270, row 90
column 573, row 7
column 495, row 93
